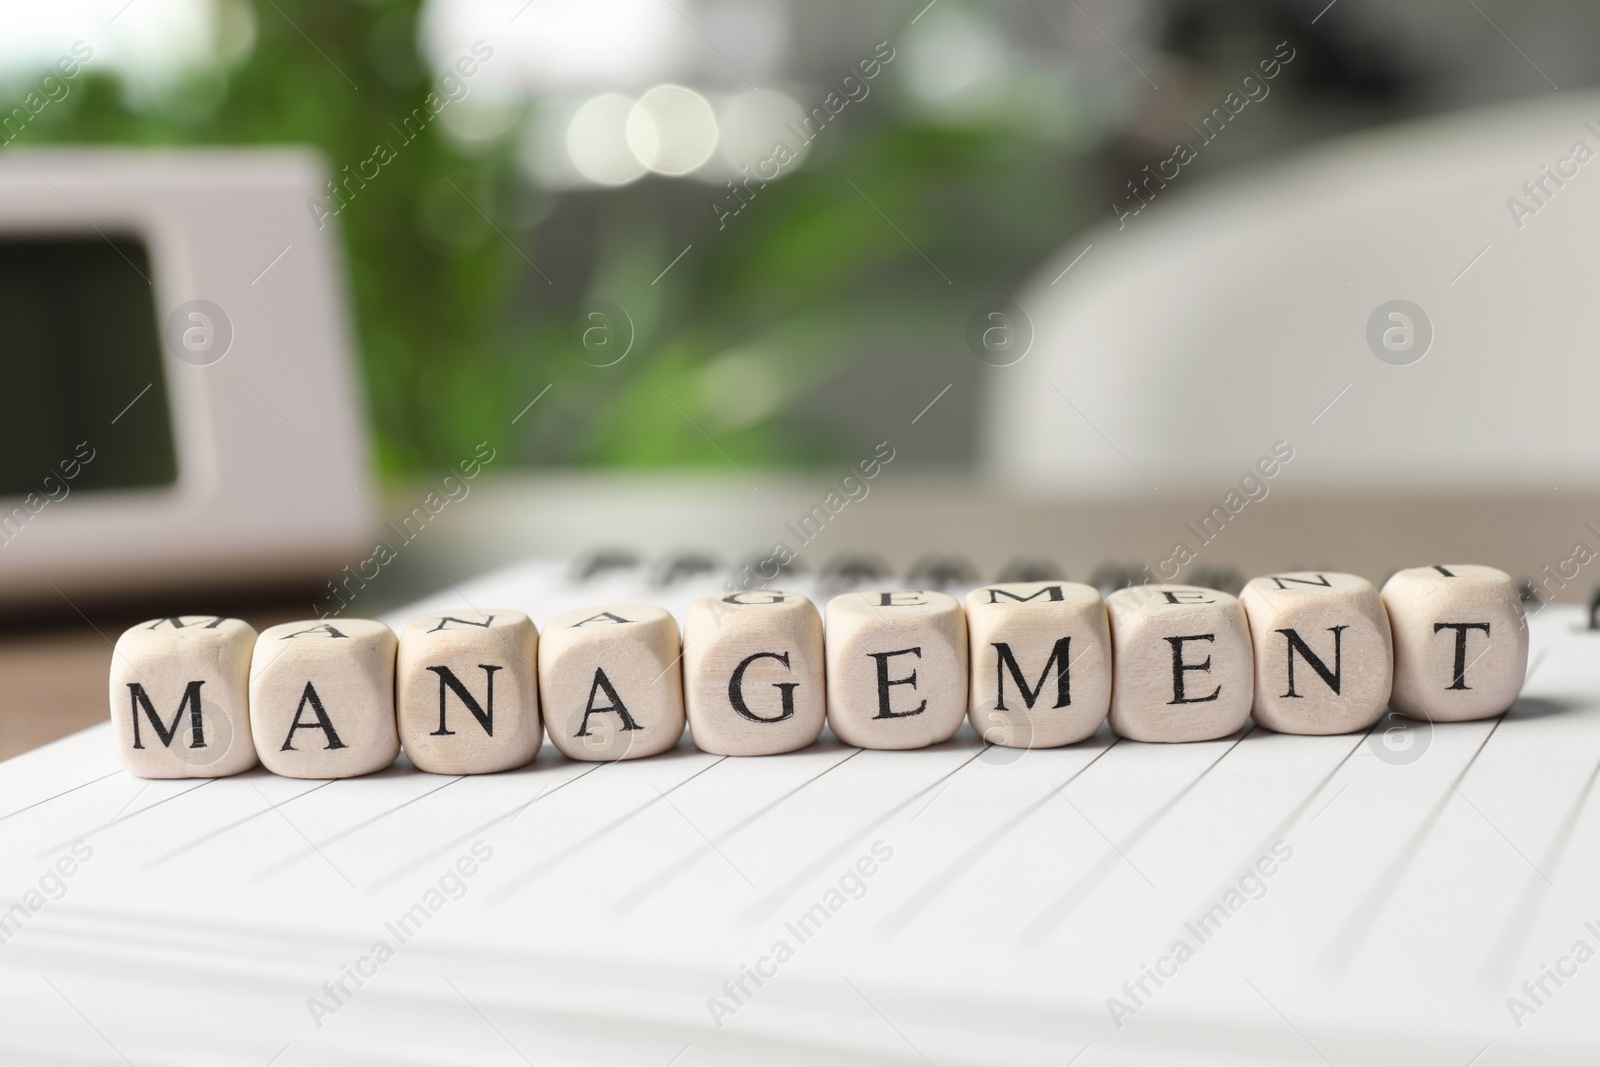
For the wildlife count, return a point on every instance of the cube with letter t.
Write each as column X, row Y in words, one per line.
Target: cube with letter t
column 466, row 695
column 1324, row 662
column 180, row 697
column 753, row 673
column 322, row 698
column 1460, row 641
column 1040, row 663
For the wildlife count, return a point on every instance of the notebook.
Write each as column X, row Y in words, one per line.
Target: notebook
column 1409, row 895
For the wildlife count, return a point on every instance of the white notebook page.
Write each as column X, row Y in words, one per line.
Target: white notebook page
column 1011, row 894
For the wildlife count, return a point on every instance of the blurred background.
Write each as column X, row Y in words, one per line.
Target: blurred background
column 684, row 263
column 996, row 132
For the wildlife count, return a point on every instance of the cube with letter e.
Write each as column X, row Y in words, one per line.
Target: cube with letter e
column 897, row 668
column 1183, row 669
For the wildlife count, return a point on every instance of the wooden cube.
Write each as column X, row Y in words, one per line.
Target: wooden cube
column 897, row 668
column 180, row 697
column 612, row 680
column 753, row 673
column 1460, row 641
column 322, row 698
column 1182, row 665
column 1324, row 662
column 466, row 692
column 1040, row 663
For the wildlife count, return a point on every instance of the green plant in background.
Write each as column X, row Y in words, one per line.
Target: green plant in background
column 467, row 278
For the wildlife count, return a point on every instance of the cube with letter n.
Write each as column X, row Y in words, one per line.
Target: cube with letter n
column 466, row 692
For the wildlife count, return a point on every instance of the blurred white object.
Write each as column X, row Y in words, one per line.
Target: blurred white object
column 566, row 46
column 672, row 129
column 151, row 48
column 1222, row 319
column 272, row 476
column 597, row 140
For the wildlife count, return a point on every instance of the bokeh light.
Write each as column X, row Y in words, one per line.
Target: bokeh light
column 598, row 142
column 753, row 122
column 672, row 129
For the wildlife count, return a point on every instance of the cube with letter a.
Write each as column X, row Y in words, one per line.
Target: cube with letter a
column 1182, row 665
column 1460, row 641
column 897, row 668
column 612, row 680
column 466, row 694
column 1324, row 661
column 753, row 673
column 322, row 698
column 180, row 697
column 1040, row 663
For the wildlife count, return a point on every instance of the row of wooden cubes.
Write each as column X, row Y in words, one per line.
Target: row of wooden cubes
column 1031, row 665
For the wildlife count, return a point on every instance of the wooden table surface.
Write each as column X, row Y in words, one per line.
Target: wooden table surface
column 53, row 678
